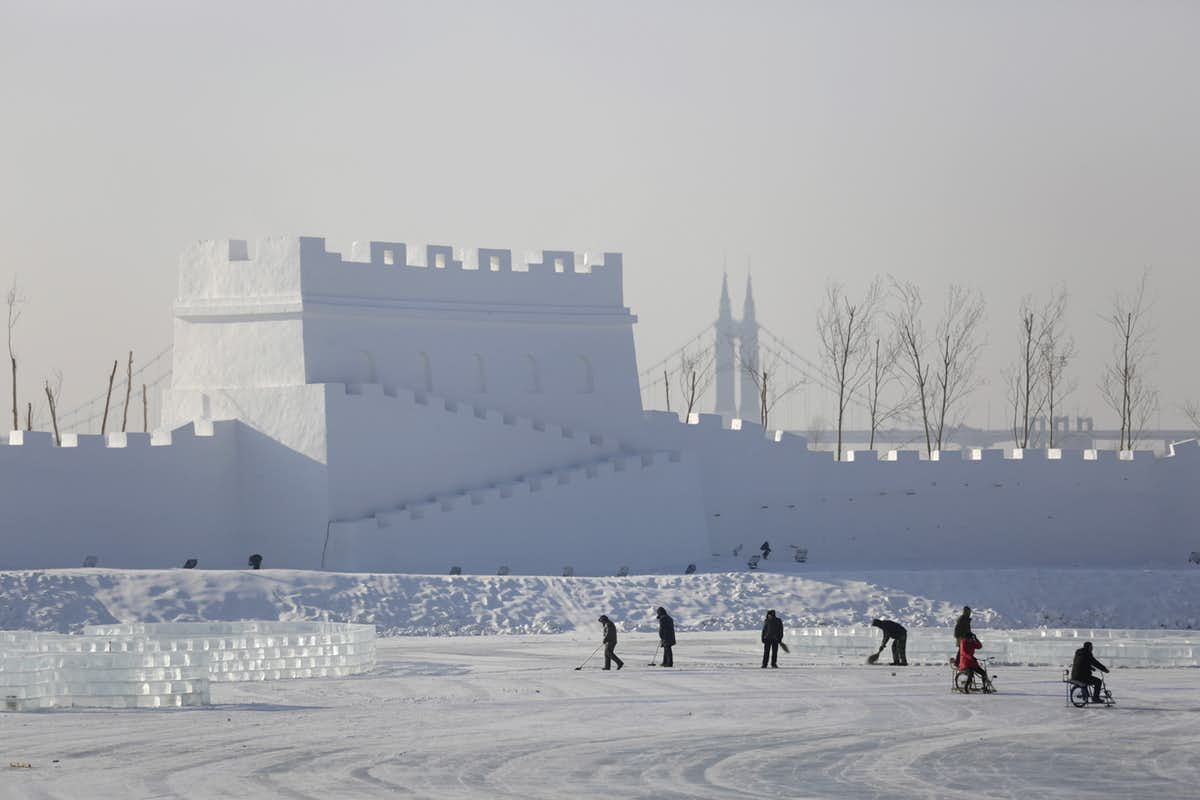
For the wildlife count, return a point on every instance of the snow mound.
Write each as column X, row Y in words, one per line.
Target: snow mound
column 67, row 600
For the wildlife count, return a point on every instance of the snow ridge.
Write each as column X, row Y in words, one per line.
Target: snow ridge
column 435, row 605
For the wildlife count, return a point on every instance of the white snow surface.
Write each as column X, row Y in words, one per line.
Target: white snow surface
column 501, row 717
column 398, row 604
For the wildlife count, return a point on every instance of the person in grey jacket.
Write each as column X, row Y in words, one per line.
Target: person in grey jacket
column 610, row 643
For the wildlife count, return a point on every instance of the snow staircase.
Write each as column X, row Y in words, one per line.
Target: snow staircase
column 537, row 521
column 475, row 413
column 524, row 484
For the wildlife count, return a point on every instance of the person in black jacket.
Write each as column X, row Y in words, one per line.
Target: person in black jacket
column 610, row 643
column 962, row 627
column 899, row 636
column 772, row 635
column 1081, row 670
column 666, row 635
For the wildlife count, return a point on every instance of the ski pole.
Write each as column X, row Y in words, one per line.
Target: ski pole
column 654, row 661
column 589, row 658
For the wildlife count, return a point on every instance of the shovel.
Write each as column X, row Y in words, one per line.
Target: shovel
column 589, row 658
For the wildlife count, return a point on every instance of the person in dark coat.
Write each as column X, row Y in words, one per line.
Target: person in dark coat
column 962, row 627
column 772, row 635
column 1081, row 670
column 610, row 643
column 666, row 635
column 899, row 637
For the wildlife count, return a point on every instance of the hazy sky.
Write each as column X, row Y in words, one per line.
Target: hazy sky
column 1007, row 146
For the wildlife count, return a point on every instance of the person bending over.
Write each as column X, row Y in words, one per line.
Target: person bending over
column 1081, row 670
column 899, row 637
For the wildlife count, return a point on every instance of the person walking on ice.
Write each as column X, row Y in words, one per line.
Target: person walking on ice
column 772, row 638
column 898, row 635
column 666, row 635
column 1081, row 670
column 610, row 643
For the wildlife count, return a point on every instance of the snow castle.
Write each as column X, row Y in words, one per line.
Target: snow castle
column 415, row 409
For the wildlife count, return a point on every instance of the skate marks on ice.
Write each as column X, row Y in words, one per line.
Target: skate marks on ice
column 509, row 717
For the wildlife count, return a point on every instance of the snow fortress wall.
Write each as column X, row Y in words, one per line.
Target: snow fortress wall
column 406, row 408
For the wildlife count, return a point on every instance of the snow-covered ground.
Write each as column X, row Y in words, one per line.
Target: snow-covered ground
column 510, row 717
column 65, row 600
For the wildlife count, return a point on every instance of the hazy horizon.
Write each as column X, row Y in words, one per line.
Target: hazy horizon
column 1009, row 148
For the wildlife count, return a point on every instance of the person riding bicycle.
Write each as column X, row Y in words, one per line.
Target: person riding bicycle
column 1081, row 670
column 967, row 661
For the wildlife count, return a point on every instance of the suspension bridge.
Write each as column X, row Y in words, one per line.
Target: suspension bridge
column 808, row 390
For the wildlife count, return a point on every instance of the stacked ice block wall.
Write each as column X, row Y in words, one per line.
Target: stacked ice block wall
column 47, row 670
column 171, row 664
column 260, row 651
column 1115, row 648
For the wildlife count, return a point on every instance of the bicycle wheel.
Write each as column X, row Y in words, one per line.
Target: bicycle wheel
column 962, row 682
column 1079, row 696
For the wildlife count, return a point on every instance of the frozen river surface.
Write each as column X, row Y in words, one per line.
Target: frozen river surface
column 510, row 717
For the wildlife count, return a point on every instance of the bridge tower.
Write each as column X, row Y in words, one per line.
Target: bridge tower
column 725, row 331
column 749, row 366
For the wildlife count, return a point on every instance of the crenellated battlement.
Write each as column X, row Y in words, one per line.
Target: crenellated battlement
column 40, row 441
column 290, row 274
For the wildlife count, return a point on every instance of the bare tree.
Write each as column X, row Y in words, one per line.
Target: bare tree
column 764, row 372
column 108, row 399
column 1123, row 384
column 1058, row 351
column 145, row 411
column 883, row 374
column 959, row 343
column 844, row 329
column 1191, row 410
column 816, row 431
column 53, row 413
column 128, row 392
column 15, row 300
column 667, row 388
column 1025, row 379
column 695, row 376
column 913, row 343
column 942, row 379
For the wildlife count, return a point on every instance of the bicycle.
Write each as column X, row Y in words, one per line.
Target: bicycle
column 963, row 680
column 1079, row 694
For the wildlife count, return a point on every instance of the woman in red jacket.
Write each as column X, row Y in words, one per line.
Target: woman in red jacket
column 968, row 663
